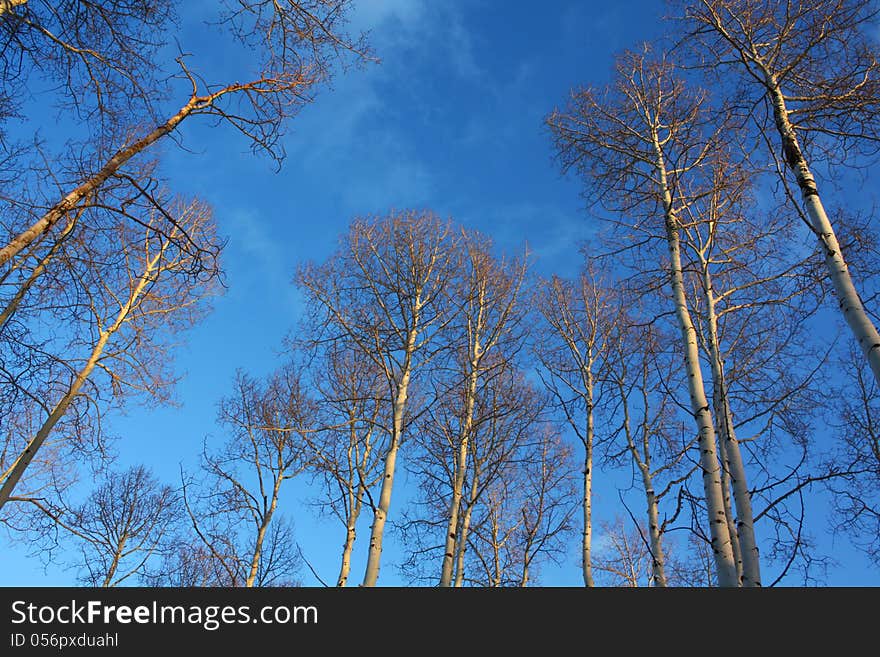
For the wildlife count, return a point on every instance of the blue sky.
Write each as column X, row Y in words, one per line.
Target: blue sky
column 451, row 119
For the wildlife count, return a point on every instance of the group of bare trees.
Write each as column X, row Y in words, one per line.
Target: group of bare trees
column 794, row 85
column 698, row 374
column 102, row 264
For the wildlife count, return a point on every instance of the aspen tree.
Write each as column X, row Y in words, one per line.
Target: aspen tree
column 385, row 293
column 491, row 313
column 134, row 280
column 235, row 514
column 572, row 355
column 109, row 49
column 633, row 143
column 124, row 523
column 813, row 66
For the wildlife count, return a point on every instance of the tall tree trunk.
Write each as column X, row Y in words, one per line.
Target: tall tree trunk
column 461, row 543
column 720, row 537
column 350, row 536
column 257, row 554
column 587, row 540
column 658, row 558
column 460, row 471
column 850, row 302
column 380, row 515
column 14, row 474
column 731, row 454
column 345, row 566
column 108, row 169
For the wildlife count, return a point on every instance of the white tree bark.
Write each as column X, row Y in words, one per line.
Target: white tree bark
column 731, row 454
column 658, row 558
column 720, row 537
column 374, row 556
column 462, row 538
column 587, row 502
column 257, row 554
column 14, row 474
column 345, row 566
column 850, row 302
column 728, row 506
column 380, row 515
column 452, row 528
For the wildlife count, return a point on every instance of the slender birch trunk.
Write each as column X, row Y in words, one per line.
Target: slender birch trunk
column 108, row 169
column 371, row 574
column 850, row 302
column 14, row 474
column 461, row 542
column 587, row 540
column 581, row 345
column 38, row 271
column 460, row 470
column 728, row 507
column 658, row 558
column 257, row 554
column 374, row 555
column 347, row 547
column 731, row 454
column 720, row 537
column 742, row 532
column 643, row 463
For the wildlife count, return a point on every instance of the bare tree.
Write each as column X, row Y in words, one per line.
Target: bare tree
column 813, row 66
column 350, row 439
column 491, row 313
column 133, row 285
column 634, row 143
column 295, row 44
column 234, row 514
column 506, row 414
column 124, row 522
column 384, row 293
column 572, row 354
